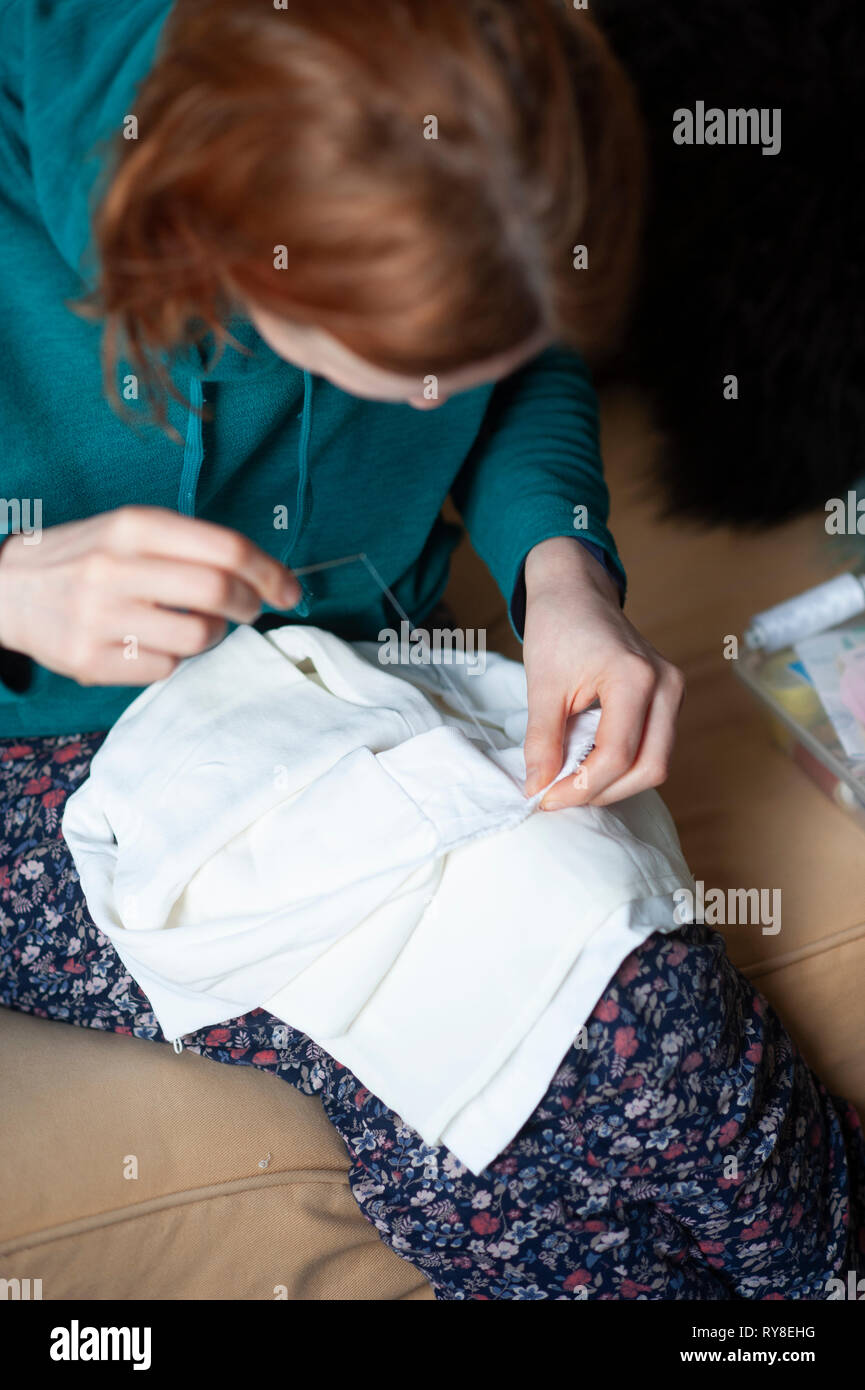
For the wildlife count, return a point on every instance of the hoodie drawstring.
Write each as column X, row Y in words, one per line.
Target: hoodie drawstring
column 193, row 457
column 303, row 499
column 193, row 451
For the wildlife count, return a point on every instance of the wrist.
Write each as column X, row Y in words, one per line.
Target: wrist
column 562, row 562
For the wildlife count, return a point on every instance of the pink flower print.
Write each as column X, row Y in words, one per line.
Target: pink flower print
column 218, row 1037
column 757, row 1228
column 65, row 755
column 607, row 1010
column 625, row 1042
column 17, row 750
column 630, row 1289
column 629, row 971
column 36, row 786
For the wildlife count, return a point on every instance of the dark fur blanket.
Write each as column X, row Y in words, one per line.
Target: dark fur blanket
column 754, row 264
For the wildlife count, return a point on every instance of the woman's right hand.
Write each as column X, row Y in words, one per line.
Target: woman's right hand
column 121, row 598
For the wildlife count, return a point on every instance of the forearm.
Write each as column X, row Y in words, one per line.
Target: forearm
column 536, row 473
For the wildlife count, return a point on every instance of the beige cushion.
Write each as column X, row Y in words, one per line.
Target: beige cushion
column 202, row 1219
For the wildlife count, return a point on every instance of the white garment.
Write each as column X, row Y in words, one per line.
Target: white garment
column 284, row 823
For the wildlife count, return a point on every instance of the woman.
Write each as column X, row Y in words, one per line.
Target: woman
column 384, row 206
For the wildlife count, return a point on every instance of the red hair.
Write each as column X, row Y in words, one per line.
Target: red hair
column 307, row 127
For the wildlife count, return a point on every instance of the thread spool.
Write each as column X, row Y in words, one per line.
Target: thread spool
column 814, row 611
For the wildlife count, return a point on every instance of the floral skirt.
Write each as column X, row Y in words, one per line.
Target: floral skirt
column 686, row 1153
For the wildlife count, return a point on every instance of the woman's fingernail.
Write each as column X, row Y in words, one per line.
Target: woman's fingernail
column 553, row 805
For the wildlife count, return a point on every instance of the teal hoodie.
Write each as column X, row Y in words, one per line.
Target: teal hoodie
column 308, row 472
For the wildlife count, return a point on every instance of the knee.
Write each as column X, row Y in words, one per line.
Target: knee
column 676, row 1006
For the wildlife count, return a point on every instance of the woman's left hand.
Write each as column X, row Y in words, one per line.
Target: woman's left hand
column 578, row 647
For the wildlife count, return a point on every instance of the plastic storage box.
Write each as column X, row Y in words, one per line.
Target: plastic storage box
column 800, row 724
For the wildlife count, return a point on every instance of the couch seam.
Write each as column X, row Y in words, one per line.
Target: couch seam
column 83, row 1225
column 769, row 965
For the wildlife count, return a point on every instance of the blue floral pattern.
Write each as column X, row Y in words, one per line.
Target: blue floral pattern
column 686, row 1153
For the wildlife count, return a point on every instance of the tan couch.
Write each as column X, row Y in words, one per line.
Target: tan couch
column 241, row 1189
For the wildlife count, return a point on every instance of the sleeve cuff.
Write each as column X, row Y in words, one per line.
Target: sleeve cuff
column 16, row 671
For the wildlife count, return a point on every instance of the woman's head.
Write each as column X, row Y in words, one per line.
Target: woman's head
column 393, row 192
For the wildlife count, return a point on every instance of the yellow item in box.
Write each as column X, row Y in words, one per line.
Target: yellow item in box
column 794, row 693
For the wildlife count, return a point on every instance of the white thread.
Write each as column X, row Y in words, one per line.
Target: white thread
column 327, row 564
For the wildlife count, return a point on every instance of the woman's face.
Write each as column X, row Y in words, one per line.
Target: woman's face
column 319, row 353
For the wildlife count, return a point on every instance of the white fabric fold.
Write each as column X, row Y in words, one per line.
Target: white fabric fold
column 284, row 823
